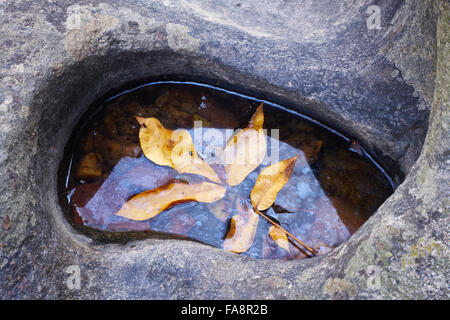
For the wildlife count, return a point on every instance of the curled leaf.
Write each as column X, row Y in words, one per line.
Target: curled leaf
column 245, row 150
column 173, row 148
column 149, row 203
column 270, row 182
column 242, row 231
column 280, row 237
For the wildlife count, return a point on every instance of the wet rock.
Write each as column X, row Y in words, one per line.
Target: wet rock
column 96, row 205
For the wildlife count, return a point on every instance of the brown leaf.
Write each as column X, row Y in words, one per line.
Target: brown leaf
column 116, row 148
column 356, row 147
column 312, row 149
column 90, row 166
column 149, row 203
column 88, row 143
column 280, row 237
column 173, row 148
column 242, row 231
column 245, row 151
column 270, row 182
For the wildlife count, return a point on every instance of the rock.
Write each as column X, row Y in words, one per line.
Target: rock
column 324, row 63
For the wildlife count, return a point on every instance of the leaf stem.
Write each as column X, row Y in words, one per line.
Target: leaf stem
column 314, row 252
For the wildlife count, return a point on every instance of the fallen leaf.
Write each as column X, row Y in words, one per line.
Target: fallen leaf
column 270, row 182
column 280, row 237
column 356, row 147
column 173, row 148
column 149, row 203
column 88, row 143
column 81, row 195
column 243, row 227
column 114, row 149
column 245, row 150
column 257, row 120
column 312, row 149
column 90, row 166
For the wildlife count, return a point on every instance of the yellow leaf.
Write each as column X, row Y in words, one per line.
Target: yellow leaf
column 149, row 203
column 257, row 120
column 280, row 237
column 270, row 182
column 173, row 148
column 245, row 150
column 242, row 231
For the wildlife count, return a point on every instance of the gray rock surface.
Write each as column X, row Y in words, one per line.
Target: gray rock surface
column 319, row 57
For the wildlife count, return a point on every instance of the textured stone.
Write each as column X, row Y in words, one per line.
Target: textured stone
column 314, row 56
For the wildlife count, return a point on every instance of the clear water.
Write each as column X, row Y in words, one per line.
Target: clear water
column 333, row 190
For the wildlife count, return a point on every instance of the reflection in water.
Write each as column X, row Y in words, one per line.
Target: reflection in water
column 332, row 190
